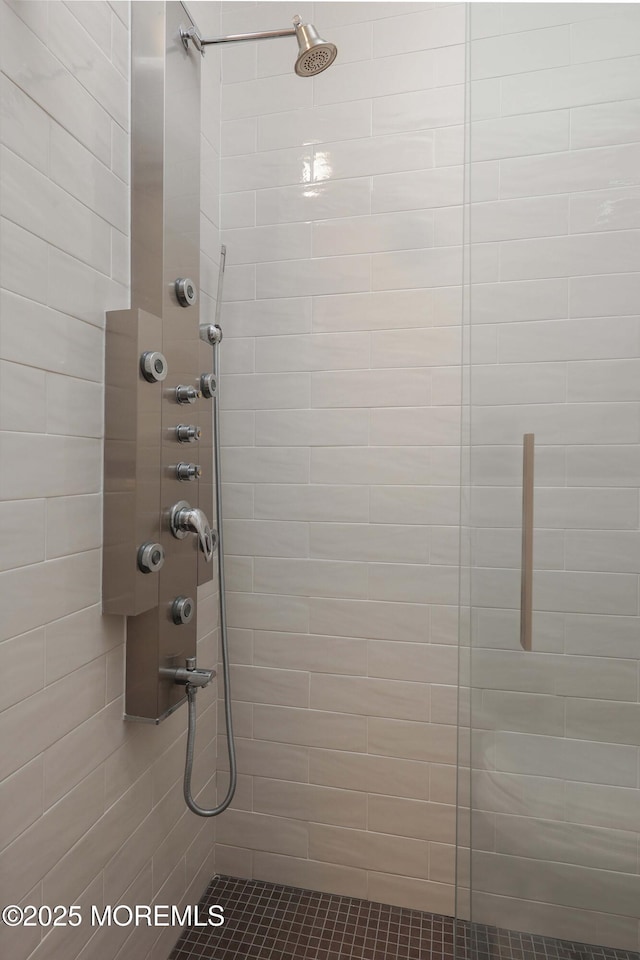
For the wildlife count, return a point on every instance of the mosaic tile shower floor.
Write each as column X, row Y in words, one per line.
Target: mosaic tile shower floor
column 267, row 921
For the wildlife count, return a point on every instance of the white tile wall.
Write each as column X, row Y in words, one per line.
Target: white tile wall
column 330, row 194
column 89, row 804
column 555, row 763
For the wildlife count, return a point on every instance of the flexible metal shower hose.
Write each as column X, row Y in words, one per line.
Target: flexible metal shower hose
column 224, row 642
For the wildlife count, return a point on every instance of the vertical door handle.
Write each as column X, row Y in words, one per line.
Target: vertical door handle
column 526, row 584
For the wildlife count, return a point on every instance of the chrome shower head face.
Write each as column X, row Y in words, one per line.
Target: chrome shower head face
column 314, row 53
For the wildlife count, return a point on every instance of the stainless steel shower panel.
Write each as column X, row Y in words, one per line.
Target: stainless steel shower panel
column 166, row 245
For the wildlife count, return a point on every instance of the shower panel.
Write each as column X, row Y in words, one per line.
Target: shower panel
column 160, row 392
column 159, row 386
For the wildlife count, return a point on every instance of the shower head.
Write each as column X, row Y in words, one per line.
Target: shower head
column 314, row 53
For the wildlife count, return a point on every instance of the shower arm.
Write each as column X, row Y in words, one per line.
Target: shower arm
column 192, row 33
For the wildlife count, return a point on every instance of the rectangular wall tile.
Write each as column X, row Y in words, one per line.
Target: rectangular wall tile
column 313, row 728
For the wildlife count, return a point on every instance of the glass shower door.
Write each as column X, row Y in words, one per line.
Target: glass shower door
column 549, row 813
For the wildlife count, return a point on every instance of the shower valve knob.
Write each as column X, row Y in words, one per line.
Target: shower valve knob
column 188, row 471
column 187, row 394
column 187, row 434
column 186, row 292
column 153, row 366
column 208, row 385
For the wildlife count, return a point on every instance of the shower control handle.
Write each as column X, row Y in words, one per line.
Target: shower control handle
column 184, row 519
column 189, row 674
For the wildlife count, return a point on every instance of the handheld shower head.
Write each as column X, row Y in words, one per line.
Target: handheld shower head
column 314, row 53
